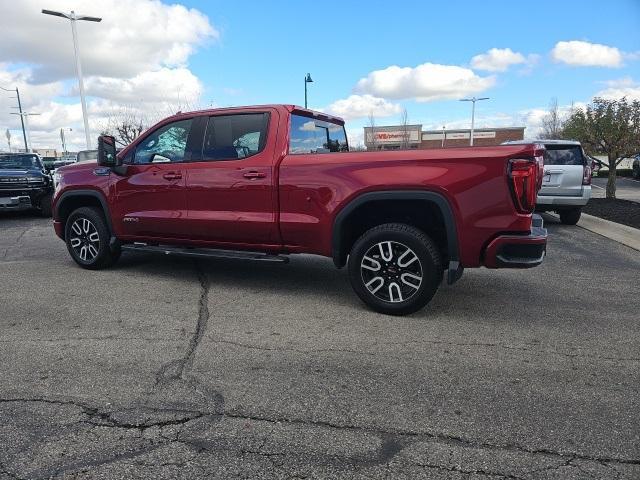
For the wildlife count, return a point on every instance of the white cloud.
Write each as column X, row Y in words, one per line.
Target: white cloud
column 424, row 83
column 623, row 87
column 167, row 85
column 578, row 53
column 134, row 36
column 497, row 60
column 360, row 106
column 135, row 59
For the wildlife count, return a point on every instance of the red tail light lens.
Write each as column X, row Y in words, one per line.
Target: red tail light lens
column 525, row 178
column 586, row 175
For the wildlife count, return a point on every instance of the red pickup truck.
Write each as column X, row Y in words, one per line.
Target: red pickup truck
column 262, row 182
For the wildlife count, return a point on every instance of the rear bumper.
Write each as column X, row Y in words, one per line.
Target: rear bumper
column 518, row 251
column 552, row 201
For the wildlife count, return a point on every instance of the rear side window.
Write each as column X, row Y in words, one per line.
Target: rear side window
column 232, row 137
column 563, row 155
column 309, row 135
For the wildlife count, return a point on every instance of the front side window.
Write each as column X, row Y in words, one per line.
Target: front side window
column 233, row 137
column 309, row 135
column 166, row 144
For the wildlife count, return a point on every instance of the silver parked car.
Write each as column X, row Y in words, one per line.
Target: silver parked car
column 566, row 185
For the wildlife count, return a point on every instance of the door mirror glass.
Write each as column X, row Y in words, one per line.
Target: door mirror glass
column 107, row 151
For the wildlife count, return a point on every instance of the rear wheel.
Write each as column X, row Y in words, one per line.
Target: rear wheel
column 87, row 237
column 570, row 216
column 395, row 268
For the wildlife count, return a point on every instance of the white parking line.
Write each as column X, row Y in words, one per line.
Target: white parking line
column 594, row 185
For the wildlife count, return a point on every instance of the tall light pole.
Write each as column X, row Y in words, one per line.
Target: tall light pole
column 307, row 79
column 24, row 116
column 24, row 134
column 74, row 18
column 473, row 112
column 443, row 135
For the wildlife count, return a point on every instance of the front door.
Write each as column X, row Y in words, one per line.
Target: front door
column 231, row 198
column 151, row 198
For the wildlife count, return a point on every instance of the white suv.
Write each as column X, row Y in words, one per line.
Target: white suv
column 566, row 185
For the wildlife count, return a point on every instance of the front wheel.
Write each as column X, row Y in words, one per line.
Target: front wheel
column 395, row 268
column 87, row 237
column 571, row 216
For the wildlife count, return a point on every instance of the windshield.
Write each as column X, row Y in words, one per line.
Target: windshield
column 19, row 161
column 87, row 155
column 563, row 155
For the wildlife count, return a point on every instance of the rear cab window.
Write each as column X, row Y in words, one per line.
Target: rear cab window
column 564, row 155
column 311, row 135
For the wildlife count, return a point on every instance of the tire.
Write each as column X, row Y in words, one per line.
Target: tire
column 392, row 247
column 635, row 171
column 86, row 228
column 45, row 205
column 570, row 216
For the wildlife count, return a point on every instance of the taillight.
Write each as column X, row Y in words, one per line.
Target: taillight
column 586, row 175
column 524, row 181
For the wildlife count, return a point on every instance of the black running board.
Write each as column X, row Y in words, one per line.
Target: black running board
column 205, row 252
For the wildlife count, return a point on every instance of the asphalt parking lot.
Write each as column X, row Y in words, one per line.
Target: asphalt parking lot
column 166, row 368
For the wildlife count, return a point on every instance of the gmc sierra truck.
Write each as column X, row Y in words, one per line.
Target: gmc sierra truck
column 262, row 182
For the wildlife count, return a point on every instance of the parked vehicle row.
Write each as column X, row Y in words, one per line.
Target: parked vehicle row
column 264, row 182
column 25, row 183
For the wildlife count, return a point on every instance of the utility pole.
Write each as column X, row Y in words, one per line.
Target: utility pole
column 443, row 134
column 8, row 134
column 24, row 116
column 74, row 18
column 473, row 112
column 24, row 135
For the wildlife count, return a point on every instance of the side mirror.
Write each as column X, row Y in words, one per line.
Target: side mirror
column 107, row 151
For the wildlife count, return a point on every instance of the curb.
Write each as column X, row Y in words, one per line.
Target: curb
column 623, row 234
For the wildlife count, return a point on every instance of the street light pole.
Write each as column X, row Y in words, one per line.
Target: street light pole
column 74, row 18
column 307, row 79
column 24, row 117
column 24, row 135
column 473, row 112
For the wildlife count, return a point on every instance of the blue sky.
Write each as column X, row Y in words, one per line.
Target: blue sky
column 149, row 57
column 266, row 47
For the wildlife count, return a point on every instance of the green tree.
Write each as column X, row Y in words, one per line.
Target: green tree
column 607, row 127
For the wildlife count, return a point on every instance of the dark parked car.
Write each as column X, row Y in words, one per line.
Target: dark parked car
column 25, row 183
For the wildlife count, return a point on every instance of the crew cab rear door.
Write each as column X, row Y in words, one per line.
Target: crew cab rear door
column 563, row 170
column 231, row 199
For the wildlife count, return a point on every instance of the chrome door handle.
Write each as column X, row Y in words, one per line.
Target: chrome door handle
column 172, row 176
column 254, row 175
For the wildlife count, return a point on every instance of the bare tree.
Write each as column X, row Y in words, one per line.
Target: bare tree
column 126, row 123
column 553, row 122
column 404, row 130
column 372, row 131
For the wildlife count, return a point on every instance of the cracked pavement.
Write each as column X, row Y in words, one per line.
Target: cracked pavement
column 166, row 368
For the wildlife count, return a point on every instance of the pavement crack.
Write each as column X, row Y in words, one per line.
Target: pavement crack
column 439, row 437
column 179, row 368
